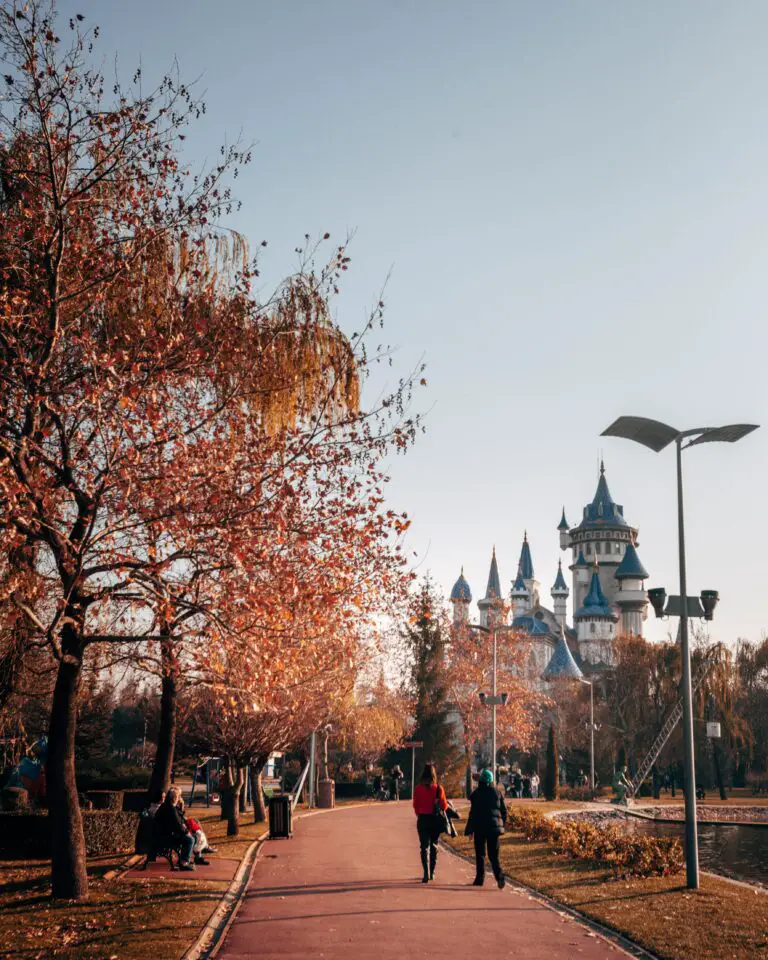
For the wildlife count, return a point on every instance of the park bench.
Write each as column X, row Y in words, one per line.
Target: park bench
column 153, row 845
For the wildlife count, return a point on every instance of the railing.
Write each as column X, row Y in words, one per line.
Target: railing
column 669, row 725
column 299, row 787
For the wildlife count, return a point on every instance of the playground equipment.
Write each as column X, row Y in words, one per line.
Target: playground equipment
column 29, row 773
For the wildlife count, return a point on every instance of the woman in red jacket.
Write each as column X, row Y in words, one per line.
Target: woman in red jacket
column 427, row 796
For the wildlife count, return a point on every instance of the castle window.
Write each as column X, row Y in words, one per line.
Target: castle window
column 592, row 627
column 598, row 548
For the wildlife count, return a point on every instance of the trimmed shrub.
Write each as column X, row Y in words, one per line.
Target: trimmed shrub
column 27, row 836
column 134, row 801
column 106, row 799
column 352, row 789
column 626, row 854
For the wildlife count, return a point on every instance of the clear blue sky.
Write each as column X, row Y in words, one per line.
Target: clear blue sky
column 572, row 198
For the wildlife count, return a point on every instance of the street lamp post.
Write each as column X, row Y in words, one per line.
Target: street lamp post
column 495, row 699
column 657, row 436
column 591, row 736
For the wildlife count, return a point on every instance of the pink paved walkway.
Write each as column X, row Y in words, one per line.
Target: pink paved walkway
column 347, row 885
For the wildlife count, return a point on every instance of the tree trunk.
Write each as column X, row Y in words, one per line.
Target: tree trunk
column 719, row 771
column 160, row 780
column 468, row 781
column 259, row 807
column 225, row 785
column 244, row 790
column 69, row 875
column 233, row 804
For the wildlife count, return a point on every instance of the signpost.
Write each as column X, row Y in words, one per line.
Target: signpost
column 414, row 746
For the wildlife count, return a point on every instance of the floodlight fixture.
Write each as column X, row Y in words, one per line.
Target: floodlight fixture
column 709, row 600
column 658, row 598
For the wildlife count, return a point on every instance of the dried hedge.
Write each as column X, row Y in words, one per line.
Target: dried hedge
column 628, row 855
column 27, row 836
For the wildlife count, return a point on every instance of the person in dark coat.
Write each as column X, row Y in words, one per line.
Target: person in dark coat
column 487, row 816
column 171, row 829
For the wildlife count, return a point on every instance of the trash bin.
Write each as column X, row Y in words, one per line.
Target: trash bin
column 326, row 795
column 279, row 816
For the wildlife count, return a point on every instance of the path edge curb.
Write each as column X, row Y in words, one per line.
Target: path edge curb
column 217, row 926
column 630, row 946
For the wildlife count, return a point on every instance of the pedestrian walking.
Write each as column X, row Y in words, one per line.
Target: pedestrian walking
column 394, row 786
column 535, row 786
column 487, row 816
column 429, row 805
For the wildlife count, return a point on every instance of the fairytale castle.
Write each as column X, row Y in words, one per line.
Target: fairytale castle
column 608, row 590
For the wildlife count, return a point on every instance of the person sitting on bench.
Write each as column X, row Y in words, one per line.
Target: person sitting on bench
column 171, row 831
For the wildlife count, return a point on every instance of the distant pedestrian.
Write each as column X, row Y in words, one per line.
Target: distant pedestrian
column 534, row 786
column 395, row 777
column 517, row 785
column 428, row 799
column 487, row 816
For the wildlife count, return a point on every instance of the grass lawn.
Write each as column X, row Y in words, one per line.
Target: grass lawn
column 125, row 919
column 721, row 921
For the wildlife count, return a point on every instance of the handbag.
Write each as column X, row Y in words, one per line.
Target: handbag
column 445, row 825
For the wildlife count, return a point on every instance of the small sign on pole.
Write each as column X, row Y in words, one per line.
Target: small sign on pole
column 414, row 746
column 713, row 730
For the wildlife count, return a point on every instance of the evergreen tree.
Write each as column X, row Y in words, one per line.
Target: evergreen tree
column 426, row 634
column 552, row 774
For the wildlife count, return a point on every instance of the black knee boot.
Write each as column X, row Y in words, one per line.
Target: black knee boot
column 425, row 865
column 432, row 862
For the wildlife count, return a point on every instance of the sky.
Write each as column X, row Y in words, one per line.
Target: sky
column 567, row 202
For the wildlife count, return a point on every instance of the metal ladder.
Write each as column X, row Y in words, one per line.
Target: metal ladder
column 671, row 722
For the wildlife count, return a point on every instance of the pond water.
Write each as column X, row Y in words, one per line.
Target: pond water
column 740, row 852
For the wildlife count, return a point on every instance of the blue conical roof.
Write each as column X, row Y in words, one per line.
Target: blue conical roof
column 560, row 586
column 461, row 589
column 519, row 587
column 595, row 604
column 526, row 561
column 603, row 511
column 563, row 525
column 581, row 560
column 562, row 666
column 493, row 590
column 630, row 566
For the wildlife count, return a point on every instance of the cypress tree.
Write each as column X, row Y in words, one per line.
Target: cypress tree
column 552, row 773
column 426, row 635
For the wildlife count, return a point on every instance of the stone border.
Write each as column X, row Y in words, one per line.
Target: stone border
column 213, row 934
column 217, row 926
column 613, row 936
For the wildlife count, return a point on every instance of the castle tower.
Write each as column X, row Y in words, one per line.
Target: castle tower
column 521, row 598
column 525, row 567
column 560, row 595
column 581, row 577
column 492, row 604
column 603, row 536
column 631, row 599
column 595, row 624
column 461, row 597
column 563, row 528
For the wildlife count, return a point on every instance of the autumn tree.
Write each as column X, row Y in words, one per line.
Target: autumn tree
column 469, row 673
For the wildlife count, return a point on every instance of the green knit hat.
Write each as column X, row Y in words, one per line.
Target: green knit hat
column 486, row 778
